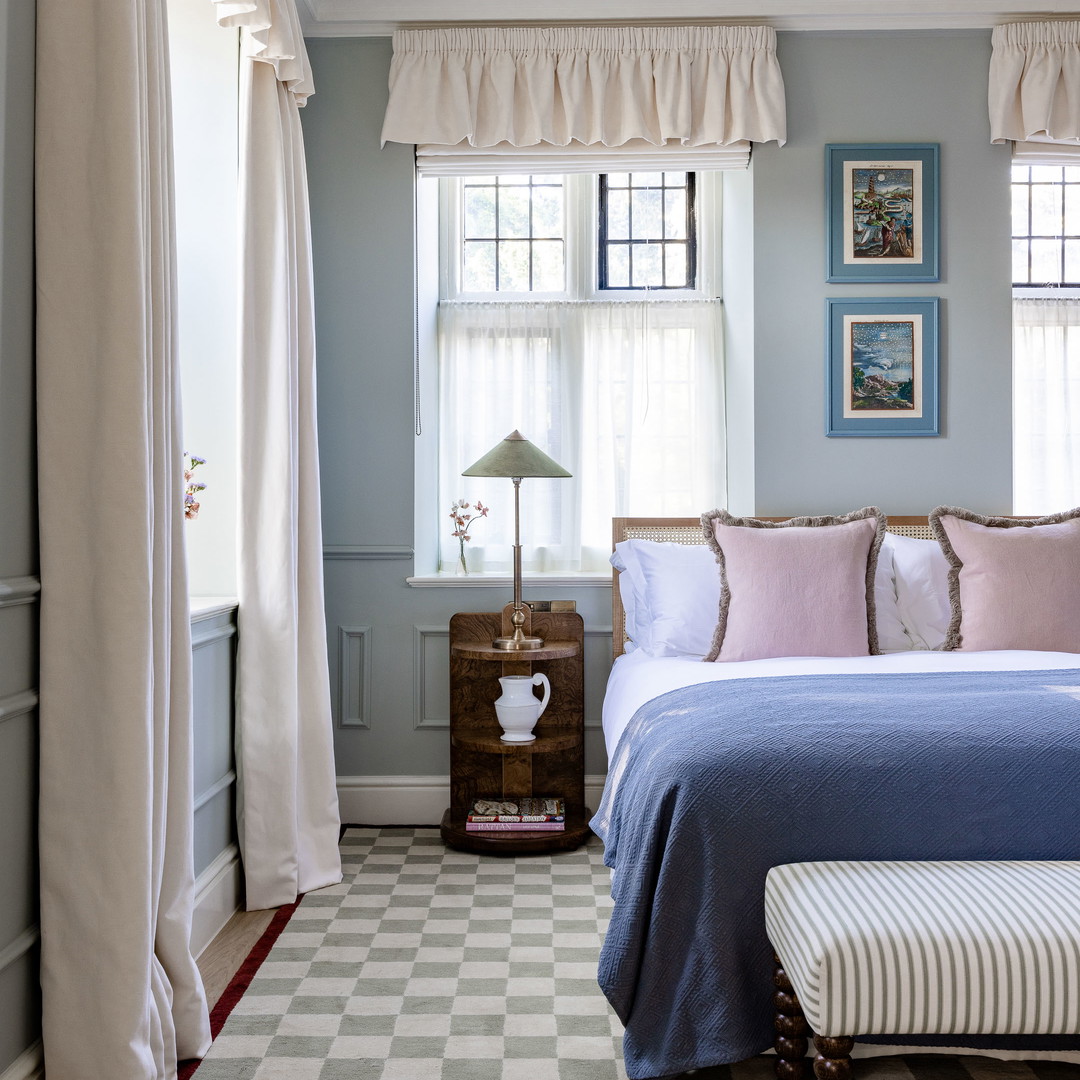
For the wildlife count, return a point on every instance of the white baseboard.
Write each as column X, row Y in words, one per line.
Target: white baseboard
column 411, row 800
column 218, row 891
column 29, row 1065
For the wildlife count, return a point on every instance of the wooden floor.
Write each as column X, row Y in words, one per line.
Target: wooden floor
column 221, row 959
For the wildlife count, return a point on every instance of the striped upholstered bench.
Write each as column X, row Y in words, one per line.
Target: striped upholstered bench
column 920, row 948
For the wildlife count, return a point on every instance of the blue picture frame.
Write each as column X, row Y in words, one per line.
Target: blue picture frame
column 881, row 205
column 882, row 366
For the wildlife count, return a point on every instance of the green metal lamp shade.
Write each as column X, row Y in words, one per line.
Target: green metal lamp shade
column 515, row 456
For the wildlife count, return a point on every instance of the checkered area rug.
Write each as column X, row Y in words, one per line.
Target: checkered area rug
column 432, row 964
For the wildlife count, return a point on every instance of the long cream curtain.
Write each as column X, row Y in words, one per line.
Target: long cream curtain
column 1034, row 87
column 121, row 994
column 590, row 89
column 288, row 811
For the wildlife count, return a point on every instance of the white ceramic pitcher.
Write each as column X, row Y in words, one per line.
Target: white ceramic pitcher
column 518, row 709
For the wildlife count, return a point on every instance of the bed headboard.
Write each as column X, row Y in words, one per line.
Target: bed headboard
column 689, row 531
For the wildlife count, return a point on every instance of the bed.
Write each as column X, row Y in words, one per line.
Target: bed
column 719, row 770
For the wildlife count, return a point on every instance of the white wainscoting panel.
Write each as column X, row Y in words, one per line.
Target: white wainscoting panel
column 217, row 898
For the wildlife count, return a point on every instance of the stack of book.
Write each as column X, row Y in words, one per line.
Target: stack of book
column 516, row 815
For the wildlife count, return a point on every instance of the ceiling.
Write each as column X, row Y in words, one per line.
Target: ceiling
column 351, row 18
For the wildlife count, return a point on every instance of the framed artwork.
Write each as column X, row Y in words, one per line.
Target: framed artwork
column 882, row 366
column 881, row 206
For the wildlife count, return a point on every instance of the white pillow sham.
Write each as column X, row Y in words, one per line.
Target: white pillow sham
column 671, row 598
column 921, row 577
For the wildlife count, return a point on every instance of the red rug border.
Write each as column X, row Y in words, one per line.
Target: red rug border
column 241, row 980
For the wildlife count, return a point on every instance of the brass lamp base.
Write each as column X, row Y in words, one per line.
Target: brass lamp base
column 518, row 641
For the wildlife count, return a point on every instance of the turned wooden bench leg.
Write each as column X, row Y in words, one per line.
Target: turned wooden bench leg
column 833, row 1061
column 791, row 1028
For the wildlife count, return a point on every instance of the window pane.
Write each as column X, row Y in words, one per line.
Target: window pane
column 548, row 275
column 1046, row 210
column 513, row 211
column 1072, row 261
column 1045, row 262
column 648, row 269
column 647, row 209
column 548, row 211
column 675, row 265
column 514, row 266
column 618, row 265
column 1020, row 172
column 479, row 211
column 1020, row 209
column 675, row 179
column 648, row 179
column 1020, row 261
column 618, row 223
column 479, row 268
column 1046, row 174
column 675, row 214
column 1072, row 210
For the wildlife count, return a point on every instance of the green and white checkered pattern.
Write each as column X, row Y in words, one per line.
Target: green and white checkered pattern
column 432, row 964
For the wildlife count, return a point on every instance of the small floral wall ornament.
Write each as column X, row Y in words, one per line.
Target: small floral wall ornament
column 192, row 487
column 463, row 522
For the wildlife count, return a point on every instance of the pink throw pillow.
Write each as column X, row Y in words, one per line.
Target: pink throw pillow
column 803, row 587
column 1013, row 583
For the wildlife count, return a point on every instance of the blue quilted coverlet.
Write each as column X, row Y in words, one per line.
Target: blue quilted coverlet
column 714, row 783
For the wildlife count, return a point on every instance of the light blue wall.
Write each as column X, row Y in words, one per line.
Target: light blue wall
column 19, row 999
column 387, row 640
column 895, row 87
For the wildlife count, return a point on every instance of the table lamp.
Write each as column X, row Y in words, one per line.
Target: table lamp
column 517, row 458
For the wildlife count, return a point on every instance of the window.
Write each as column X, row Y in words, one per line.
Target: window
column 577, row 309
column 1046, row 225
column 647, row 232
column 1046, row 337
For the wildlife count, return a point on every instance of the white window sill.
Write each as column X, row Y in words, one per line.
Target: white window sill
column 506, row 581
column 204, row 607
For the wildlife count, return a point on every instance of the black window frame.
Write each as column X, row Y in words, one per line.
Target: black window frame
column 691, row 239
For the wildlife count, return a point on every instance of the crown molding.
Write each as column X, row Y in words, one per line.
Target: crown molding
column 363, row 18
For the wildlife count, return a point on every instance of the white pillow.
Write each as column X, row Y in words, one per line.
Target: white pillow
column 671, row 598
column 892, row 637
column 632, row 592
column 921, row 572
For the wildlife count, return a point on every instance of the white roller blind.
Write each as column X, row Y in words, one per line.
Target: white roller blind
column 590, row 99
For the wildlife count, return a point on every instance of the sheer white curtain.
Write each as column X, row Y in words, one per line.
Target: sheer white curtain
column 288, row 810
column 121, row 996
column 625, row 395
column 1046, row 405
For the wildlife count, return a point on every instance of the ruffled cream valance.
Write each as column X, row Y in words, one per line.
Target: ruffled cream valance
column 588, row 89
column 270, row 32
column 1034, row 91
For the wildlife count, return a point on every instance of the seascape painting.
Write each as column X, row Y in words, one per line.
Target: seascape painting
column 882, row 212
column 880, row 366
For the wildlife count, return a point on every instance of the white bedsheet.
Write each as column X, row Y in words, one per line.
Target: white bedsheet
column 636, row 677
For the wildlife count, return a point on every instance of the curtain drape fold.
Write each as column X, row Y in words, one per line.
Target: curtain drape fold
column 1034, row 87
column 287, row 795
column 121, row 995
column 585, row 87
